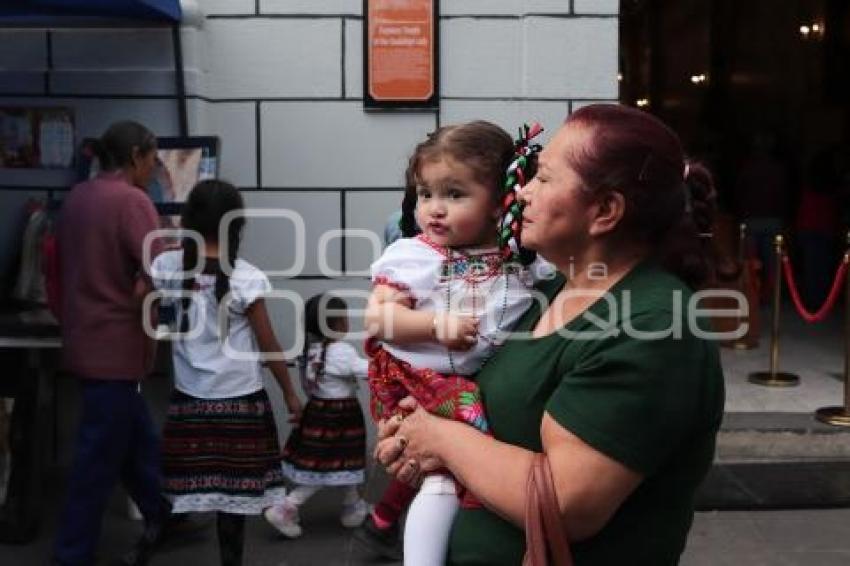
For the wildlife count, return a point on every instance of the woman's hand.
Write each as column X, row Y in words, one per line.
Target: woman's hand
column 293, row 405
column 407, row 445
column 456, row 332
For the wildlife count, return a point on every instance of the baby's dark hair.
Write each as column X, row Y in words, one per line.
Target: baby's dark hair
column 207, row 204
column 482, row 146
column 324, row 316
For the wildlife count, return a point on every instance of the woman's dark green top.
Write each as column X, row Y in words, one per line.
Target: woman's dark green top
column 631, row 379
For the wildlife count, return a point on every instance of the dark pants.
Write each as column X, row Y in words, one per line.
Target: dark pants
column 116, row 440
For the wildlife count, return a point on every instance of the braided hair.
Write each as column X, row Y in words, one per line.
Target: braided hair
column 324, row 315
column 519, row 172
column 207, row 204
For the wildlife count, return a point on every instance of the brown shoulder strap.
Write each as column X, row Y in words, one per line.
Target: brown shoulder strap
column 535, row 537
column 556, row 535
column 543, row 525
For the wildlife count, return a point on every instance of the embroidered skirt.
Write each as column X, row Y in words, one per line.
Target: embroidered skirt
column 329, row 445
column 221, row 454
column 454, row 397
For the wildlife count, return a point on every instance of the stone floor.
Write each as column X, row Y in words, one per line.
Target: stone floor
column 770, row 447
column 815, row 352
column 802, row 537
column 769, row 538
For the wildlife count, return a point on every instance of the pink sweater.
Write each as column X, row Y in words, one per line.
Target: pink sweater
column 101, row 231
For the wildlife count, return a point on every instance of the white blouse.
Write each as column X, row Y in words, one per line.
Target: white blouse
column 338, row 380
column 202, row 366
column 459, row 281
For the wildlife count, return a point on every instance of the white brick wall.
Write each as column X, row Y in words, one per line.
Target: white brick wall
column 282, row 59
column 504, row 7
column 565, row 59
column 336, row 144
column 597, row 6
column 473, row 64
column 219, row 7
column 353, row 59
column 317, row 7
column 507, row 114
column 238, row 146
column 270, row 243
column 300, row 63
column 367, row 211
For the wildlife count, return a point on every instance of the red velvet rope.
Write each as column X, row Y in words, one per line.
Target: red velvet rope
column 830, row 299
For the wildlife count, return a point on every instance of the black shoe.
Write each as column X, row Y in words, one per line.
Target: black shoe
column 144, row 549
column 386, row 543
column 183, row 528
column 150, row 540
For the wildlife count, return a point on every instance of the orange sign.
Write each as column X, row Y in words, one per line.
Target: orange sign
column 401, row 53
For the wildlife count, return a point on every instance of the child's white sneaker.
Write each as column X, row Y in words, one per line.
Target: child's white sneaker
column 354, row 514
column 284, row 518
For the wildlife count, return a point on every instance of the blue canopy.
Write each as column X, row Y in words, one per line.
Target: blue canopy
column 55, row 12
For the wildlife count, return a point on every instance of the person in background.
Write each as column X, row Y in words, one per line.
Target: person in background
column 220, row 447
column 102, row 230
column 762, row 198
column 392, row 231
column 328, row 447
column 817, row 227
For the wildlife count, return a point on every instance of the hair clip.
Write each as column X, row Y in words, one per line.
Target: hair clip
column 517, row 175
column 644, row 169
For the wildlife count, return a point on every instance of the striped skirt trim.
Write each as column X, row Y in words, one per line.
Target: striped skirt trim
column 221, row 454
column 329, row 445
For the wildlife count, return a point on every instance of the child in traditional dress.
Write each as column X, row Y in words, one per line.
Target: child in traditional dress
column 328, row 448
column 220, row 446
column 442, row 302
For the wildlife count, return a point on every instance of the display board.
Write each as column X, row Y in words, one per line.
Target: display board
column 401, row 53
column 180, row 164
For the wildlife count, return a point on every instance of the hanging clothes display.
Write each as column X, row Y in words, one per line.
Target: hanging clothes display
column 29, row 285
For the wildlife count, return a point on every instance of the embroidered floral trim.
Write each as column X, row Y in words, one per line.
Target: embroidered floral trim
column 386, row 281
column 242, row 505
column 442, row 250
column 471, row 268
column 305, row 477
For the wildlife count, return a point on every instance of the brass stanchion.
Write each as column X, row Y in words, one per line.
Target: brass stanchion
column 774, row 378
column 840, row 416
column 747, row 341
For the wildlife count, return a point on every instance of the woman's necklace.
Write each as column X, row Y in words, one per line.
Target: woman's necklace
column 471, row 275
